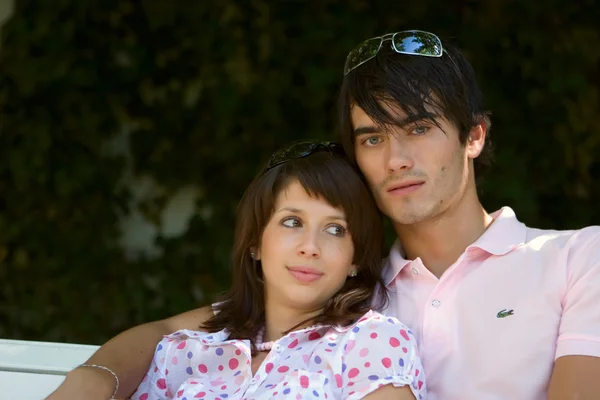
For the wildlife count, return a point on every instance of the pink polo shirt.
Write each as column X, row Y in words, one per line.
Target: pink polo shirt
column 515, row 300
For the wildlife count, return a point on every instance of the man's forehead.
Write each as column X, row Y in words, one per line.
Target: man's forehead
column 396, row 113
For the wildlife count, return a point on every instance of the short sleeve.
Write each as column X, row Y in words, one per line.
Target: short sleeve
column 380, row 351
column 153, row 386
column 579, row 331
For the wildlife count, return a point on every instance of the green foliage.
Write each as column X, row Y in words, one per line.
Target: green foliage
column 206, row 90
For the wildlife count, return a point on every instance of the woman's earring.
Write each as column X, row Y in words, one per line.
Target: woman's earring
column 353, row 273
column 253, row 255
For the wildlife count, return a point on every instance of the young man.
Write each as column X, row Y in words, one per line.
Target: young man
column 502, row 311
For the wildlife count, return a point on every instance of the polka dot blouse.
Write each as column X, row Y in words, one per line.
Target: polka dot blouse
column 314, row 363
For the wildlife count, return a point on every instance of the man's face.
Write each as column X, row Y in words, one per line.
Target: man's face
column 415, row 169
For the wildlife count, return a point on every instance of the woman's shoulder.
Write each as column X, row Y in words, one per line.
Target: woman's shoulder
column 373, row 321
column 192, row 319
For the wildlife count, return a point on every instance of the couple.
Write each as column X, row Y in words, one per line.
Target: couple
column 499, row 310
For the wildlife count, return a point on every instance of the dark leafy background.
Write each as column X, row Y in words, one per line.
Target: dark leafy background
column 206, row 90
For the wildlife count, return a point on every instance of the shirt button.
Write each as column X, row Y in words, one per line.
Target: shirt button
column 436, row 303
column 415, row 271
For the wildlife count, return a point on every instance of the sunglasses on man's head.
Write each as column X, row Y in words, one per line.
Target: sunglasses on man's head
column 301, row 149
column 416, row 43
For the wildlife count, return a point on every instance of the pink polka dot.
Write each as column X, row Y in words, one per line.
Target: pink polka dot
column 221, row 368
column 269, row 367
column 404, row 349
column 166, row 371
column 203, row 368
column 386, row 362
column 394, row 342
column 144, row 396
column 238, row 352
column 404, row 334
column 293, row 344
column 373, row 335
column 350, row 346
column 338, row 380
column 174, row 360
column 181, row 345
column 353, row 373
column 200, row 395
column 283, row 369
column 161, row 384
column 364, row 352
column 233, row 363
column 367, row 364
column 304, row 381
column 416, row 372
column 223, row 387
column 314, row 336
column 180, row 393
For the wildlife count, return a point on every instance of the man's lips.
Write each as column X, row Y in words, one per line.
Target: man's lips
column 401, row 188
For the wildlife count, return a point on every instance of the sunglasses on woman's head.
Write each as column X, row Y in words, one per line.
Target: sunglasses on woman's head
column 301, row 149
column 416, row 43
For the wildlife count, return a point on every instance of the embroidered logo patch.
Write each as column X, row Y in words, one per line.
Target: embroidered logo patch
column 504, row 313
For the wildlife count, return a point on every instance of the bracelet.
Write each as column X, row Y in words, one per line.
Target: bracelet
column 107, row 370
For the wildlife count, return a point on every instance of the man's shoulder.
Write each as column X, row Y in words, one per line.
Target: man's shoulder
column 581, row 238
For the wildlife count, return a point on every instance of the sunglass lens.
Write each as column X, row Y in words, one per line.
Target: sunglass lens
column 362, row 53
column 422, row 43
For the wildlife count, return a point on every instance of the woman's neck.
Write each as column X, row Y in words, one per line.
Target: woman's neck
column 280, row 319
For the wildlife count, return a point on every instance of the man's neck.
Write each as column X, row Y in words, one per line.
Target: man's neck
column 439, row 242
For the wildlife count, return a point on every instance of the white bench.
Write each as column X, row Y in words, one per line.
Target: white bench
column 32, row 370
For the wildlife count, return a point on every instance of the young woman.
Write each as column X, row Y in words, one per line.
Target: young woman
column 296, row 323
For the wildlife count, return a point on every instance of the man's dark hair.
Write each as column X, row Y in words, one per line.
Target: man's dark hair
column 417, row 85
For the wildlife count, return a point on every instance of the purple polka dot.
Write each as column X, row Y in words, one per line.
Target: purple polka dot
column 401, row 362
column 391, row 321
column 326, row 381
column 318, row 359
column 189, row 370
column 343, row 367
column 159, row 347
column 286, row 390
column 331, row 344
column 189, row 354
column 315, row 393
column 237, row 373
column 224, row 395
column 373, row 377
column 209, row 337
column 356, row 329
column 219, row 351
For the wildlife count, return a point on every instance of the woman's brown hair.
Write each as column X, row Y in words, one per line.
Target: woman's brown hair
column 333, row 179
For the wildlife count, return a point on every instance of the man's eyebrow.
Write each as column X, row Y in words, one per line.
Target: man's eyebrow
column 400, row 123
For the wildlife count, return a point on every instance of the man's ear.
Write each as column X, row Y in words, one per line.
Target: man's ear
column 476, row 140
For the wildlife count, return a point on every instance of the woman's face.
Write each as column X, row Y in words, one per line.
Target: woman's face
column 306, row 250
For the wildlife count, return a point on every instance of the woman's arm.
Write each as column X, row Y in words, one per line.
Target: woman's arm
column 128, row 355
column 389, row 392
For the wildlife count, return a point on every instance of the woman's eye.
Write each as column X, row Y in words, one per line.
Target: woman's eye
column 291, row 222
column 336, row 230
